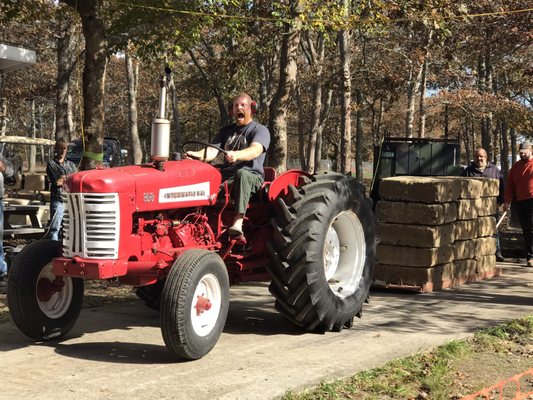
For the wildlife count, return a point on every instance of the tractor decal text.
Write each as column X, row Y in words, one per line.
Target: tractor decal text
column 198, row 191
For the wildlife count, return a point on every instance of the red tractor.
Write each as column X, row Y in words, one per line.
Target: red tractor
column 162, row 227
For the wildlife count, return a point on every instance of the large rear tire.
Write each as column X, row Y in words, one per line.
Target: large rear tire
column 194, row 304
column 323, row 252
column 43, row 306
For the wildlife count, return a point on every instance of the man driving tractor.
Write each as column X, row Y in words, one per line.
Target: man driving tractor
column 246, row 142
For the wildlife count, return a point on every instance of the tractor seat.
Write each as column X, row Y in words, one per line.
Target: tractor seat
column 270, row 174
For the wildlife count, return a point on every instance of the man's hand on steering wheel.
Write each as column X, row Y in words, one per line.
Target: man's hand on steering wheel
column 197, row 155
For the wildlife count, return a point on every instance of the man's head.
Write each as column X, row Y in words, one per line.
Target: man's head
column 242, row 109
column 525, row 150
column 480, row 158
column 60, row 149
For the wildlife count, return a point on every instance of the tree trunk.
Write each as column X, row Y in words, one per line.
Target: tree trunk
column 316, row 59
column 446, row 121
column 216, row 90
column 514, row 153
column 422, row 105
column 359, row 137
column 33, row 150
column 301, row 131
column 482, row 87
column 67, row 50
column 413, row 85
column 135, row 143
column 3, row 115
column 323, row 118
column 94, row 73
column 467, row 141
column 346, row 99
column 505, row 147
column 494, row 149
column 3, row 109
column 288, row 69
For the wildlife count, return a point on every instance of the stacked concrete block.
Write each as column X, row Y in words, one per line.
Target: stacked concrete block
column 435, row 232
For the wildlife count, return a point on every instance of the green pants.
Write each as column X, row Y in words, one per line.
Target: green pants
column 245, row 183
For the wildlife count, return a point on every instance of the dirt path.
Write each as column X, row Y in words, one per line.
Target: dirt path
column 116, row 351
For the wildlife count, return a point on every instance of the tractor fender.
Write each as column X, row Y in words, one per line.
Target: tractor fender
column 280, row 185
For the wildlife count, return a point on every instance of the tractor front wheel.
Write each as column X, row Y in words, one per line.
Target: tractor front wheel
column 42, row 305
column 194, row 304
column 323, row 252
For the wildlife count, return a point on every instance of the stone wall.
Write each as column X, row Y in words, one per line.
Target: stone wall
column 435, row 232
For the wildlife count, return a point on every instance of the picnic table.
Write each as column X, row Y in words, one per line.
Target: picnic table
column 30, row 211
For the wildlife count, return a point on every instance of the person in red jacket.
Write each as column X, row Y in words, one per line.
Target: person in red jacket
column 519, row 189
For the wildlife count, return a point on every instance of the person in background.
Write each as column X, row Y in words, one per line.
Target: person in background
column 7, row 171
column 481, row 167
column 519, row 189
column 246, row 142
column 57, row 170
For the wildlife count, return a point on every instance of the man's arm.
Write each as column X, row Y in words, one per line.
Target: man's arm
column 54, row 175
column 251, row 152
column 203, row 155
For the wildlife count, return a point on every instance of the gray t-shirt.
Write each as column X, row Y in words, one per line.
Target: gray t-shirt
column 235, row 137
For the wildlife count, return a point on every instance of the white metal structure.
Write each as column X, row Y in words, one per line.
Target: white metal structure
column 13, row 58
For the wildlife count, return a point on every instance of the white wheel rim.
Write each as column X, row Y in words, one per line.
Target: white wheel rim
column 331, row 253
column 204, row 320
column 54, row 304
column 344, row 254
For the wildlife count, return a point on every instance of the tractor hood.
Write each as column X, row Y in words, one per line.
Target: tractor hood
column 181, row 184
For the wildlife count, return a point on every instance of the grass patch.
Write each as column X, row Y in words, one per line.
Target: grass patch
column 435, row 374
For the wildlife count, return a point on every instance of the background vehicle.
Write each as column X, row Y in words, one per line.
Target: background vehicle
column 113, row 155
column 162, row 227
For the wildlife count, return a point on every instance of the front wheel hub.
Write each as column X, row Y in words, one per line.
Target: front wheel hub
column 54, row 294
column 202, row 304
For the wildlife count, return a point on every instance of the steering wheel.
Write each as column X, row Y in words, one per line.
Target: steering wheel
column 205, row 145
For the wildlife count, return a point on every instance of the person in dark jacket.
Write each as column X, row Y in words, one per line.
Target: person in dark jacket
column 482, row 168
column 57, row 170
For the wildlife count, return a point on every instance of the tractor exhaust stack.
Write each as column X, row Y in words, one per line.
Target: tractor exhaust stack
column 161, row 129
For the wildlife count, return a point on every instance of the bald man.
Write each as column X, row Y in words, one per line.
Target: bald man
column 246, row 142
column 482, row 168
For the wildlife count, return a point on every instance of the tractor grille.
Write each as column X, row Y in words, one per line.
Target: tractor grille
column 91, row 225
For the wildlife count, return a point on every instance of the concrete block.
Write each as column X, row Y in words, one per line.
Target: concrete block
column 414, row 256
column 488, row 206
column 485, row 264
column 469, row 188
column 464, row 268
column 465, row 230
column 485, row 246
column 412, row 276
column 416, row 213
column 489, row 187
column 467, row 208
column 486, row 226
column 420, row 189
column 464, row 249
column 415, row 235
